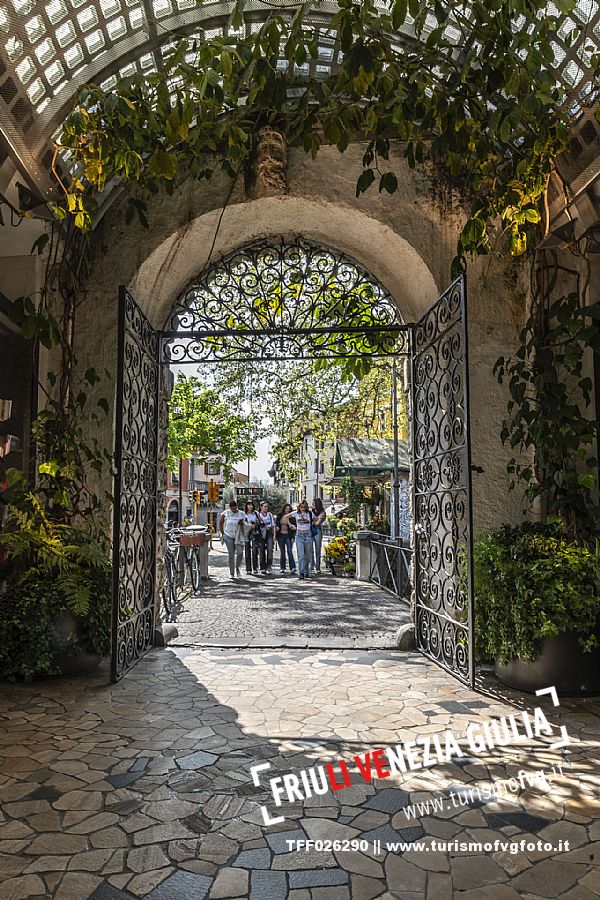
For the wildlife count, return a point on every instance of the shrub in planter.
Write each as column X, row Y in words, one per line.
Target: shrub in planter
column 56, row 608
column 380, row 525
column 532, row 583
column 347, row 525
column 339, row 553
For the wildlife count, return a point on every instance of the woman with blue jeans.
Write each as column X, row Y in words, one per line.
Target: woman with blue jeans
column 302, row 519
column 263, row 538
column 318, row 518
column 285, row 537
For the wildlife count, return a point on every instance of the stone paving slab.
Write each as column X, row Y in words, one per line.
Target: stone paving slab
column 143, row 789
column 281, row 611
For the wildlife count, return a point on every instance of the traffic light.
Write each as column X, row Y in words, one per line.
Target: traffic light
column 221, row 490
column 196, row 496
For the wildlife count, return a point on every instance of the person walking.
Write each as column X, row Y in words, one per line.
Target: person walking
column 285, row 535
column 251, row 521
column 318, row 519
column 229, row 526
column 265, row 536
column 302, row 519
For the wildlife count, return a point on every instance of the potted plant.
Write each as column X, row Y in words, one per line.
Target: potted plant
column 347, row 525
column 537, row 612
column 335, row 554
column 55, row 607
column 340, row 555
column 379, row 524
column 348, row 568
column 537, row 586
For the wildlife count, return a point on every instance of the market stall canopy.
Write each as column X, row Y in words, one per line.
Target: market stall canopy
column 368, row 458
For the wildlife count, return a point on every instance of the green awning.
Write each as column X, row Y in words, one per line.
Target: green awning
column 368, row 458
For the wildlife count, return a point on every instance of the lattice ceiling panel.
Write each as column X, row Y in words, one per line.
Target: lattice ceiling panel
column 49, row 47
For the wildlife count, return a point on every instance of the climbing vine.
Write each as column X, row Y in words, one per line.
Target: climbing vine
column 486, row 113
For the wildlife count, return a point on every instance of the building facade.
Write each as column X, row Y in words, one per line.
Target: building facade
column 195, row 475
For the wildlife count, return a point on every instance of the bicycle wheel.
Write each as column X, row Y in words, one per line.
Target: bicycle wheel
column 169, row 591
column 194, row 565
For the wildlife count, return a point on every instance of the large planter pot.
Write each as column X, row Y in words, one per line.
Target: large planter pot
column 561, row 664
column 68, row 661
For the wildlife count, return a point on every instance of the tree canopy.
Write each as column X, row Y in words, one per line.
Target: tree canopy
column 202, row 423
column 300, row 398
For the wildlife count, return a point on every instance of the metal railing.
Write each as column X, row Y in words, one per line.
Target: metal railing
column 390, row 567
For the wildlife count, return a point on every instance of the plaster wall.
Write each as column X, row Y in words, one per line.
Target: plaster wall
column 406, row 240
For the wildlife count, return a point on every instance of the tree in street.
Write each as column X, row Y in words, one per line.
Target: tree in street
column 201, row 422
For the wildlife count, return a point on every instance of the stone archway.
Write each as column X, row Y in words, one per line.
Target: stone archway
column 388, row 256
column 263, row 301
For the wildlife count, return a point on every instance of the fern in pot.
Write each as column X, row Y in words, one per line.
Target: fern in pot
column 56, row 607
column 56, row 603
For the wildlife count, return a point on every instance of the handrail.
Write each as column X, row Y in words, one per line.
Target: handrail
column 390, row 567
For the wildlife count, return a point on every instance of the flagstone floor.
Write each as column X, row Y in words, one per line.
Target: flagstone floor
column 282, row 611
column 143, row 789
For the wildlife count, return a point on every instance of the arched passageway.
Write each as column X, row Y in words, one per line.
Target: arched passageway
column 287, row 299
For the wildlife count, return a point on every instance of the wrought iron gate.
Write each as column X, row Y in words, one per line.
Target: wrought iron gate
column 442, row 485
column 197, row 332
column 135, row 489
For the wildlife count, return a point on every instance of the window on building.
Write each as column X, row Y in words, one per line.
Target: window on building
column 213, row 468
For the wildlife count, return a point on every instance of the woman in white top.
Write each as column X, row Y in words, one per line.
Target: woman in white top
column 303, row 522
column 229, row 526
column 264, row 537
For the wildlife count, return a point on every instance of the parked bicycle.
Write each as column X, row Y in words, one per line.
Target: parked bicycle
column 170, row 579
column 181, row 565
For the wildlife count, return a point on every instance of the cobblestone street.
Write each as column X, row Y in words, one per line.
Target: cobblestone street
column 280, row 610
column 144, row 788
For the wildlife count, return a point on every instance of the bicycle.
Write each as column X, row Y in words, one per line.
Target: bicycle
column 175, row 572
column 170, row 587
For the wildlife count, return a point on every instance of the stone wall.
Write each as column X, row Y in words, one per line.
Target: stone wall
column 406, row 240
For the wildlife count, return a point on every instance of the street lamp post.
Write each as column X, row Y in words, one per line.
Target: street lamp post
column 396, row 484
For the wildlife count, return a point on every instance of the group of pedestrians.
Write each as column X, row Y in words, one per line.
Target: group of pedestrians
column 251, row 534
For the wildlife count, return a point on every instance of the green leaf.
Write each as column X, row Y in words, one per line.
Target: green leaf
column 587, row 480
column 365, row 181
column 226, row 63
column 49, row 468
column 532, row 215
column 163, row 164
column 14, row 477
column 399, row 10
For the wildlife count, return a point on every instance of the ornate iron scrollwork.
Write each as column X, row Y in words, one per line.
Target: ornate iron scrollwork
column 442, row 485
column 285, row 300
column 135, row 512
